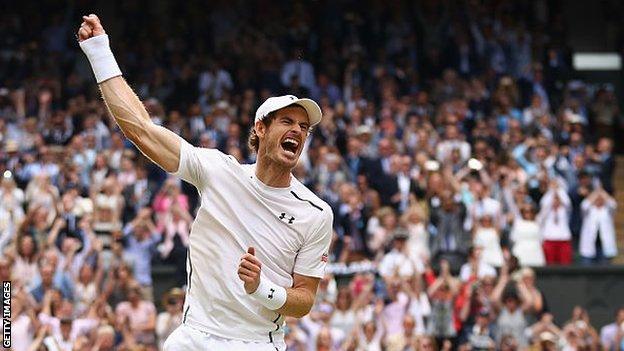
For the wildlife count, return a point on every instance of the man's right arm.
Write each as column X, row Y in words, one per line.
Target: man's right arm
column 159, row 144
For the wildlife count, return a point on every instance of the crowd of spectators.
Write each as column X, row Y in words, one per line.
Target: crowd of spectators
column 455, row 139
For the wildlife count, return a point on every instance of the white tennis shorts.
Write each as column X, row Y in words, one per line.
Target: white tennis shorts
column 186, row 338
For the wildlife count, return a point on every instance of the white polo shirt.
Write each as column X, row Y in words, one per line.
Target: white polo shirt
column 290, row 228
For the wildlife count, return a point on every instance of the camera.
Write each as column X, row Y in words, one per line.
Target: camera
column 432, row 165
column 475, row 164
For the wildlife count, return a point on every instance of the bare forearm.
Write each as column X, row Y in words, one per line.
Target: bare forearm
column 299, row 302
column 498, row 289
column 52, row 236
column 435, row 286
column 125, row 107
column 148, row 326
column 465, row 311
column 295, row 301
column 159, row 144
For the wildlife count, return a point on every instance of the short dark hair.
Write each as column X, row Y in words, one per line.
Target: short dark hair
column 510, row 294
column 253, row 142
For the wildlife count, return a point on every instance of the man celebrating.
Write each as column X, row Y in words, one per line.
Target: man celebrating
column 256, row 224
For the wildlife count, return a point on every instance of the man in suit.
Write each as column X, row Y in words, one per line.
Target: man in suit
column 447, row 218
column 403, row 188
column 607, row 163
column 379, row 171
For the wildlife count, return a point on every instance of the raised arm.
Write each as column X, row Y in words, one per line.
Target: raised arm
column 159, row 144
column 497, row 293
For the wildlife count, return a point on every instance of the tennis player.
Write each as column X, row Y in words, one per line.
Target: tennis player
column 259, row 244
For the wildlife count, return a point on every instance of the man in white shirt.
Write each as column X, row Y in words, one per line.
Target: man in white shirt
column 256, row 224
column 483, row 205
column 214, row 82
column 452, row 140
column 396, row 262
column 298, row 67
column 476, row 266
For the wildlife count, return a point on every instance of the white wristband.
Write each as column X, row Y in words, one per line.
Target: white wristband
column 101, row 57
column 270, row 295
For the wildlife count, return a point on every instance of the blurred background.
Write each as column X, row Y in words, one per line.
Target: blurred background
column 471, row 151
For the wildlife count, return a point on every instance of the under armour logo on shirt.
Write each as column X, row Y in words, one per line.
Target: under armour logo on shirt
column 271, row 294
column 284, row 218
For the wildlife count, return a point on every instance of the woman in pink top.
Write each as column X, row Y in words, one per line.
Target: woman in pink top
column 139, row 316
column 172, row 216
column 169, row 196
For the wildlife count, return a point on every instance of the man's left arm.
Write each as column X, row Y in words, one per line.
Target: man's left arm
column 295, row 301
column 300, row 298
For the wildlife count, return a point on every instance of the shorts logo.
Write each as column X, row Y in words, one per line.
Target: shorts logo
column 286, row 218
column 324, row 258
column 271, row 294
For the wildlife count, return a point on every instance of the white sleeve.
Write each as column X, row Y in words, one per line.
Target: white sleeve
column 314, row 254
column 198, row 164
column 465, row 151
column 385, row 266
column 5, row 237
column 547, row 199
column 585, row 205
column 565, row 199
column 161, row 324
column 464, row 272
column 513, row 235
column 425, row 307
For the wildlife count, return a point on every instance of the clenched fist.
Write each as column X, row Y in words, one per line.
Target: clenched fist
column 90, row 27
column 249, row 270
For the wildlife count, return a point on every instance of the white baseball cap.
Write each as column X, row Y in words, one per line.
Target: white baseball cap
column 275, row 103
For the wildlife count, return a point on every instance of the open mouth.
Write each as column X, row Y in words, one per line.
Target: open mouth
column 290, row 145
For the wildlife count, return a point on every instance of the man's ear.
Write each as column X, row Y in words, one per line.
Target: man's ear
column 260, row 129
